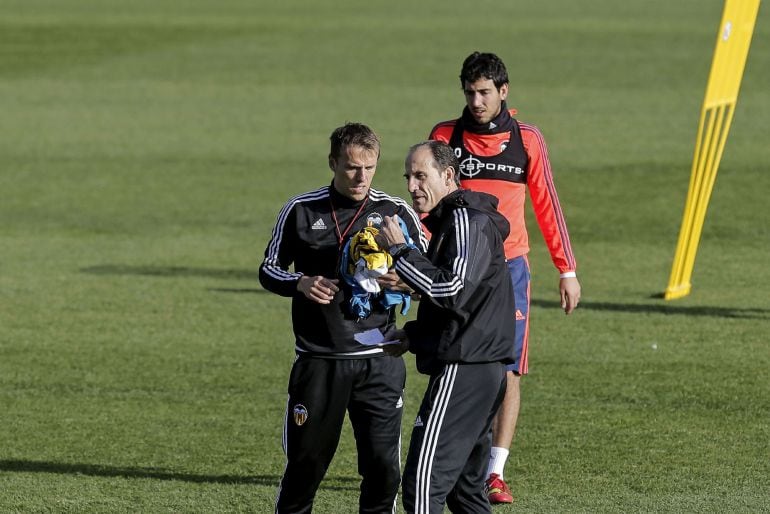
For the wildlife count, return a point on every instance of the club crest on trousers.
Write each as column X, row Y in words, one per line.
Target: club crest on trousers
column 300, row 414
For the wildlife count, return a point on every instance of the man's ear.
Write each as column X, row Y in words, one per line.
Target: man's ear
column 450, row 175
column 504, row 91
column 332, row 163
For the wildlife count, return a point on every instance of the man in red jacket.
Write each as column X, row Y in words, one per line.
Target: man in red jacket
column 504, row 157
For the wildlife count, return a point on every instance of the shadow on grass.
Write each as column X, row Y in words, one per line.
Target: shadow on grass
column 27, row 466
column 236, row 290
column 172, row 271
column 680, row 310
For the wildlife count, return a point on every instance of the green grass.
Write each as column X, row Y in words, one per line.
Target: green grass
column 147, row 146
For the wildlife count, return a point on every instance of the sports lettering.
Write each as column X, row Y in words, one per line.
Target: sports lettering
column 471, row 166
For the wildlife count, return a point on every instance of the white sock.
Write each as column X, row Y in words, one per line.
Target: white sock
column 497, row 458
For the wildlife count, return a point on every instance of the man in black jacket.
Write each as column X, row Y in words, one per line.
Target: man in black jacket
column 463, row 334
column 334, row 371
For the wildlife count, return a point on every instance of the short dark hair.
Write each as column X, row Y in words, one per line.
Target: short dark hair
column 483, row 66
column 443, row 156
column 353, row 134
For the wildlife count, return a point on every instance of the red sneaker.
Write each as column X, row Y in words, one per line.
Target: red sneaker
column 497, row 490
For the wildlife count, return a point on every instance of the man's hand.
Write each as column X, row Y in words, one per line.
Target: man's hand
column 318, row 289
column 390, row 232
column 392, row 282
column 569, row 289
column 397, row 349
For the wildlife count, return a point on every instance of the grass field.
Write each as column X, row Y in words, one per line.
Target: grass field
column 147, row 147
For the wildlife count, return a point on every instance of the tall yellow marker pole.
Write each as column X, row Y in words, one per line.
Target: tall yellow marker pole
column 732, row 48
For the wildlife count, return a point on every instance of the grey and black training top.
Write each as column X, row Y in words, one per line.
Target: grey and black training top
column 306, row 237
column 467, row 304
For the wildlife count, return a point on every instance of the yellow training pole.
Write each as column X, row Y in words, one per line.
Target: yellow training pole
column 732, row 49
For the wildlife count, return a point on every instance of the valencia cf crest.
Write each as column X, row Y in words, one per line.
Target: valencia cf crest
column 374, row 220
column 300, row 414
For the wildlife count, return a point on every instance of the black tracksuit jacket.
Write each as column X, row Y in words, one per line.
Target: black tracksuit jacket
column 306, row 235
column 466, row 312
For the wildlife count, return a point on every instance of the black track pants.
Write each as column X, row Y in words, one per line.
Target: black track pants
column 320, row 392
column 451, row 440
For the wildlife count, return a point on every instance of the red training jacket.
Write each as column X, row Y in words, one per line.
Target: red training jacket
column 542, row 192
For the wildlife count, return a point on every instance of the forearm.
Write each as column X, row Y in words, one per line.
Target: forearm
column 277, row 280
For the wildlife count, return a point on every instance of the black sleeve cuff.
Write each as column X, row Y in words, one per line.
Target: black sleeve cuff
column 398, row 250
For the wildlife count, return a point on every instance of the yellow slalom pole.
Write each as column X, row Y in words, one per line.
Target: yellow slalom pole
column 729, row 61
